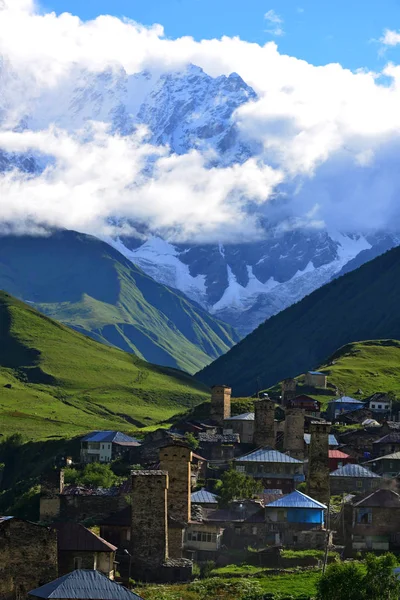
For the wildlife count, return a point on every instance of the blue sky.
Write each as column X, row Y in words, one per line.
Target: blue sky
column 319, row 31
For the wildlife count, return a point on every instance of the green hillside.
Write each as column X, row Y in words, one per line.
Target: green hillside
column 370, row 366
column 90, row 286
column 361, row 305
column 55, row 382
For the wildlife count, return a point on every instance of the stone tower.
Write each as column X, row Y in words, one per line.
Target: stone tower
column 52, row 486
column 264, row 423
column 293, row 441
column 220, row 403
column 288, row 391
column 176, row 459
column 149, row 531
column 318, row 486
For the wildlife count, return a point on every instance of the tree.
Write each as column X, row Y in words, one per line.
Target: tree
column 94, row 475
column 234, row 485
column 352, row 581
column 342, row 581
column 191, row 440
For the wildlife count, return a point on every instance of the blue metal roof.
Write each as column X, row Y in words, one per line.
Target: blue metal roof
column 296, row 500
column 351, row 470
column 316, row 373
column 85, row 585
column 268, row 455
column 345, row 400
column 243, row 417
column 107, row 436
column 204, row 497
column 332, row 440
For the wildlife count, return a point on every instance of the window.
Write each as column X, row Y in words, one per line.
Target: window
column 240, row 468
column 77, row 562
column 359, row 483
column 364, row 516
column 254, row 530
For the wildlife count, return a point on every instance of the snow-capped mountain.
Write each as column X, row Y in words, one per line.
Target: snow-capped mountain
column 241, row 283
column 244, row 284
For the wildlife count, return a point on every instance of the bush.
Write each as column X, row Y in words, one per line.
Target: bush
column 206, row 569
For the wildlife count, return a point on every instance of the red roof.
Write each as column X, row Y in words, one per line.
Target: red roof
column 337, row 454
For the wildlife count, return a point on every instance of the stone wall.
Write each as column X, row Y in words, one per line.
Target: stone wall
column 318, row 486
column 28, row 558
column 220, row 403
column 288, row 390
column 264, row 423
column 294, row 432
column 78, row 508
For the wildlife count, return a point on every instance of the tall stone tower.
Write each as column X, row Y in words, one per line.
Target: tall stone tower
column 149, row 531
column 52, row 485
column 318, row 486
column 176, row 460
column 288, row 391
column 293, row 440
column 220, row 403
column 264, row 423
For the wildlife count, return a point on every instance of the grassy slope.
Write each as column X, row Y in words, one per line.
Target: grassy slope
column 359, row 306
column 86, row 284
column 64, row 383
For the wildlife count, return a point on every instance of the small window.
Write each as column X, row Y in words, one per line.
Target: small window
column 254, row 530
column 77, row 562
column 379, row 405
column 240, row 468
column 359, row 483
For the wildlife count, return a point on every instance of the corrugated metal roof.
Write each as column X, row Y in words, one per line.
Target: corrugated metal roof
column 243, row 417
column 390, row 438
column 381, row 499
column 74, row 536
column 4, row 519
column 394, row 456
column 84, row 585
column 316, row 373
column 332, row 440
column 204, row 497
column 268, row 455
column 296, row 500
column 345, row 400
column 108, row 436
column 337, row 454
column 351, row 470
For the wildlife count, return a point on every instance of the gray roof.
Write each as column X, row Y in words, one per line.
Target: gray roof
column 84, row 585
column 3, row 519
column 243, row 417
column 268, row 455
column 296, row 500
column 332, row 440
column 204, row 497
column 345, row 400
column 394, row 456
column 108, row 436
column 351, row 470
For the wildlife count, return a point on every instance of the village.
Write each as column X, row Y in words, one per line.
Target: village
column 224, row 490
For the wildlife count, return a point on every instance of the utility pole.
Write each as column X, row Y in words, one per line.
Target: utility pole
column 327, row 538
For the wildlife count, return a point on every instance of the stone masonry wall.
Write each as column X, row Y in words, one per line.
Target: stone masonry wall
column 28, row 558
column 264, row 423
column 318, row 485
column 220, row 403
column 294, row 432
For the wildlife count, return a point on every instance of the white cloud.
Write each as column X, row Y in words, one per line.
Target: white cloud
column 276, row 22
column 390, row 38
column 331, row 136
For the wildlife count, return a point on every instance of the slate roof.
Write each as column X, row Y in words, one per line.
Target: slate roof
column 108, row 436
column 73, row 536
column 83, row 584
column 267, row 455
column 296, row 500
column 351, row 470
column 381, row 499
column 345, row 400
column 332, row 440
column 226, row 438
column 390, row 438
column 204, row 497
column 243, row 417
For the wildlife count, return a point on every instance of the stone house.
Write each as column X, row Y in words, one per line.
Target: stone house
column 388, row 444
column 219, row 446
column 311, row 406
column 105, row 446
column 379, row 402
column 83, row 585
column 354, row 479
column 243, row 425
column 359, row 442
column 272, row 468
column 342, row 405
column 28, row 557
column 80, row 548
column 296, row 521
column 315, row 379
column 387, row 466
column 376, row 522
